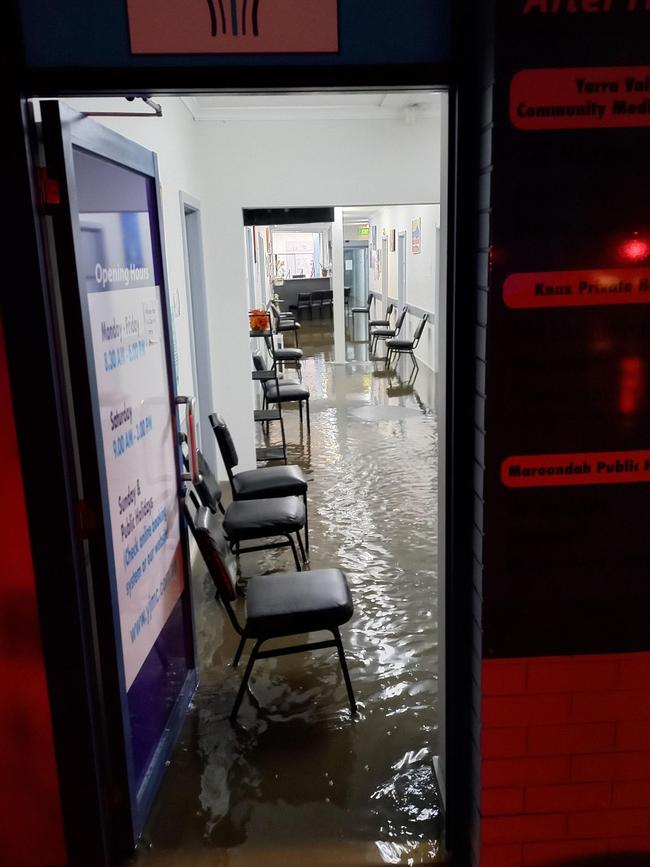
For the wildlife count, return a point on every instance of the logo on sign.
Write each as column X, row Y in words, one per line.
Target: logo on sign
column 250, row 17
column 233, row 26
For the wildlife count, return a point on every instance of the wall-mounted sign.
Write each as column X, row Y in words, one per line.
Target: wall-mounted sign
column 416, row 235
column 577, row 288
column 581, row 98
column 137, row 431
column 363, row 231
column 233, row 26
column 584, row 468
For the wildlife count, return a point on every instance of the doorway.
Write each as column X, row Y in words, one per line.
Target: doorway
column 395, row 409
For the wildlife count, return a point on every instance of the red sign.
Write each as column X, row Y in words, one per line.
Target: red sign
column 582, row 98
column 577, row 288
column 233, row 26
column 584, row 468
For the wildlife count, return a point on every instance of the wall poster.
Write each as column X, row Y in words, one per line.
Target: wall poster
column 416, row 235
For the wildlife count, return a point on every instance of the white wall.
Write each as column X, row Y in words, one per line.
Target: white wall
column 421, row 270
column 231, row 165
column 262, row 163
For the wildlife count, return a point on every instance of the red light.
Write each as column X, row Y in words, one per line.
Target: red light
column 631, row 387
column 634, row 249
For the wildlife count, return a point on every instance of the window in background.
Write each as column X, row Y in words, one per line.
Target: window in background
column 296, row 254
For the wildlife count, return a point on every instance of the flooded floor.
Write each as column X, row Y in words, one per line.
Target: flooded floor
column 299, row 781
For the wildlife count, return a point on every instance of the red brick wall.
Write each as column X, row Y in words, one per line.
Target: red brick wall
column 565, row 758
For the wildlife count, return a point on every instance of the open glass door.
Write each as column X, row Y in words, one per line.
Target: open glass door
column 116, row 338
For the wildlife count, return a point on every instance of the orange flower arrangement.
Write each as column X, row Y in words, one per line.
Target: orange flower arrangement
column 259, row 320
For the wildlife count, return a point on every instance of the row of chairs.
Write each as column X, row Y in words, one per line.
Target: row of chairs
column 381, row 329
column 321, row 303
column 268, row 503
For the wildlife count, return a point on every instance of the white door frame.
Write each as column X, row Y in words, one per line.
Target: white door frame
column 197, row 306
column 384, row 273
column 401, row 269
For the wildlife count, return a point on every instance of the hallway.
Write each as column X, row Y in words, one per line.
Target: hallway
column 298, row 782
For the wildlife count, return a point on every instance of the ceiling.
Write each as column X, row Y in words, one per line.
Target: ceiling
column 357, row 105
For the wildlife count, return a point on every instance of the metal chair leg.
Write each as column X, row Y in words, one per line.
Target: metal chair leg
column 244, row 683
column 416, row 366
column 300, row 411
column 346, row 673
column 240, row 650
column 305, row 559
column 294, row 552
column 304, row 497
column 308, row 418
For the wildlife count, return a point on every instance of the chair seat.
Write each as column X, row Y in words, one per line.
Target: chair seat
column 379, row 322
column 396, row 343
column 255, row 519
column 288, row 325
column 269, row 482
column 383, row 332
column 360, row 310
column 287, row 354
column 286, row 392
column 291, row 603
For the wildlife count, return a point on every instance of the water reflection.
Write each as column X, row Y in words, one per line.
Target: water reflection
column 298, row 781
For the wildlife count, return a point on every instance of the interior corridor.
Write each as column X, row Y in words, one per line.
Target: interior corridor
column 297, row 781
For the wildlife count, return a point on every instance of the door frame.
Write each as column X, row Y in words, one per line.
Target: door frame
column 401, row 271
column 197, row 303
column 385, row 274
column 461, row 247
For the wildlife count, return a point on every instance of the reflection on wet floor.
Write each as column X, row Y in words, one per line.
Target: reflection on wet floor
column 298, row 781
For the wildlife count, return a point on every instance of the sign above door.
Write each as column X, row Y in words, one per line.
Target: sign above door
column 233, row 26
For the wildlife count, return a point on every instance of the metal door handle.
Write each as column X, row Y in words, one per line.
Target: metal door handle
column 190, row 419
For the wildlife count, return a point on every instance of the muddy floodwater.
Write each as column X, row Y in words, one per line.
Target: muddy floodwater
column 298, row 781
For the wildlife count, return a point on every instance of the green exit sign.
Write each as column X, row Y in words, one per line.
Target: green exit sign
column 364, row 231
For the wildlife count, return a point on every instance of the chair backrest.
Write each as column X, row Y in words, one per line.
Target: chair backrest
column 214, row 548
column 225, row 443
column 304, row 297
column 207, row 487
column 275, row 314
column 389, row 310
column 420, row 329
column 258, row 362
column 369, row 301
column 401, row 318
column 270, row 345
column 328, row 297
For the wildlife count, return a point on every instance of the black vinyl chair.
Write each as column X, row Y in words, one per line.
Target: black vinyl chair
column 328, row 302
column 397, row 346
column 304, row 302
column 262, row 483
column 284, row 322
column 379, row 323
column 365, row 311
column 316, row 303
column 287, row 355
column 381, row 333
column 251, row 520
column 283, row 391
column 280, row 605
